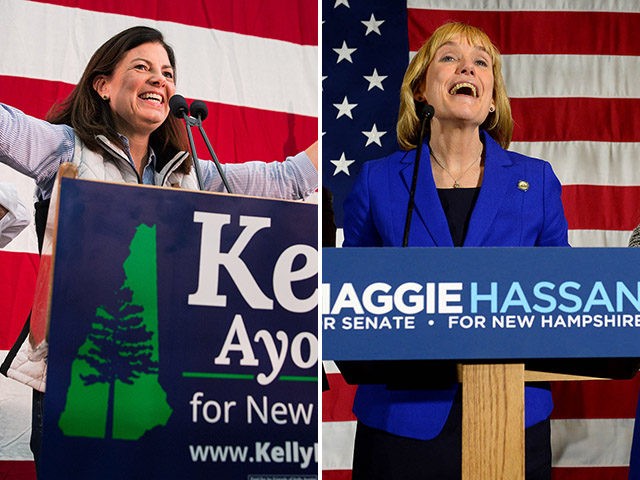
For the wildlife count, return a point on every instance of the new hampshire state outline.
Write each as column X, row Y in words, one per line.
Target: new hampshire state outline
column 140, row 404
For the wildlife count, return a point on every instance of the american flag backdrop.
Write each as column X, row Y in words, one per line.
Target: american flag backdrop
column 572, row 70
column 254, row 62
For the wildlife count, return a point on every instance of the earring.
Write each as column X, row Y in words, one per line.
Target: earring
column 105, row 97
column 492, row 109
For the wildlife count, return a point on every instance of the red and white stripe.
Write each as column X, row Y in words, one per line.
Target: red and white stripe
column 17, row 284
column 571, row 70
column 253, row 62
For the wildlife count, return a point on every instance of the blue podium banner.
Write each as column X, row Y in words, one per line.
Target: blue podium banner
column 183, row 336
column 480, row 303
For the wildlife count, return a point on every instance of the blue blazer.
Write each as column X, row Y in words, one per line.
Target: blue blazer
column 507, row 212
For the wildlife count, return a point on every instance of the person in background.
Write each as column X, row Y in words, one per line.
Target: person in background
column 14, row 216
column 115, row 126
column 471, row 192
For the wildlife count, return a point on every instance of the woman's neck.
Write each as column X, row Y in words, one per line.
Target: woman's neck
column 455, row 147
column 139, row 150
column 456, row 156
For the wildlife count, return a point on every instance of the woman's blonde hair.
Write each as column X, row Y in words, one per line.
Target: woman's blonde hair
column 499, row 124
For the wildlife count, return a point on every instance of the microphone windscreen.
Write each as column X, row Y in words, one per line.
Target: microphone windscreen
column 199, row 109
column 429, row 111
column 425, row 111
column 178, row 106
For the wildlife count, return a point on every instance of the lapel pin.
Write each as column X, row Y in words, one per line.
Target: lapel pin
column 522, row 185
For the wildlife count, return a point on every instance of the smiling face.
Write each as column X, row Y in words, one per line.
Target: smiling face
column 459, row 82
column 139, row 89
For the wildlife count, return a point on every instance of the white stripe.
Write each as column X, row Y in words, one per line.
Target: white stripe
column 15, row 418
column 531, row 5
column 212, row 65
column 595, row 76
column 330, row 367
column 337, row 445
column 591, row 442
column 577, row 76
column 587, row 163
column 599, row 238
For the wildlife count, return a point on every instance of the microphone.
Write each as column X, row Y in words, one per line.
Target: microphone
column 179, row 108
column 200, row 111
column 425, row 113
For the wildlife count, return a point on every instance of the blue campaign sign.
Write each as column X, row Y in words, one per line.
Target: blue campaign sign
column 183, row 336
column 480, row 303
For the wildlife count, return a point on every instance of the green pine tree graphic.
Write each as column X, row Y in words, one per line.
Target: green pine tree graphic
column 114, row 390
column 120, row 348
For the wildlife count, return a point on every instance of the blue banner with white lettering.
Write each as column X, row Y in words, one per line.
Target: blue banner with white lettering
column 480, row 303
column 183, row 336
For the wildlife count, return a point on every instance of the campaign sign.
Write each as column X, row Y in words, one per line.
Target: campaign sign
column 183, row 336
column 480, row 303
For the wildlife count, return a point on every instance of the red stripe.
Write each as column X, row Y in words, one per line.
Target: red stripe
column 590, row 473
column 293, row 21
column 33, row 97
column 338, row 400
column 565, row 119
column 595, row 399
column 237, row 134
column 528, row 32
column 336, row 475
column 17, row 284
column 596, row 207
column 17, row 470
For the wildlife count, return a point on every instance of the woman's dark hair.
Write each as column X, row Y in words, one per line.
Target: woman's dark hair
column 90, row 115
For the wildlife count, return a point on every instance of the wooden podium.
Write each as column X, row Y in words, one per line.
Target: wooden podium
column 492, row 421
column 493, row 418
column 490, row 361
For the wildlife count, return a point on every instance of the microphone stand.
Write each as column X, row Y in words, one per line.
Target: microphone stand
column 179, row 108
column 213, row 154
column 426, row 112
column 190, row 122
column 200, row 111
